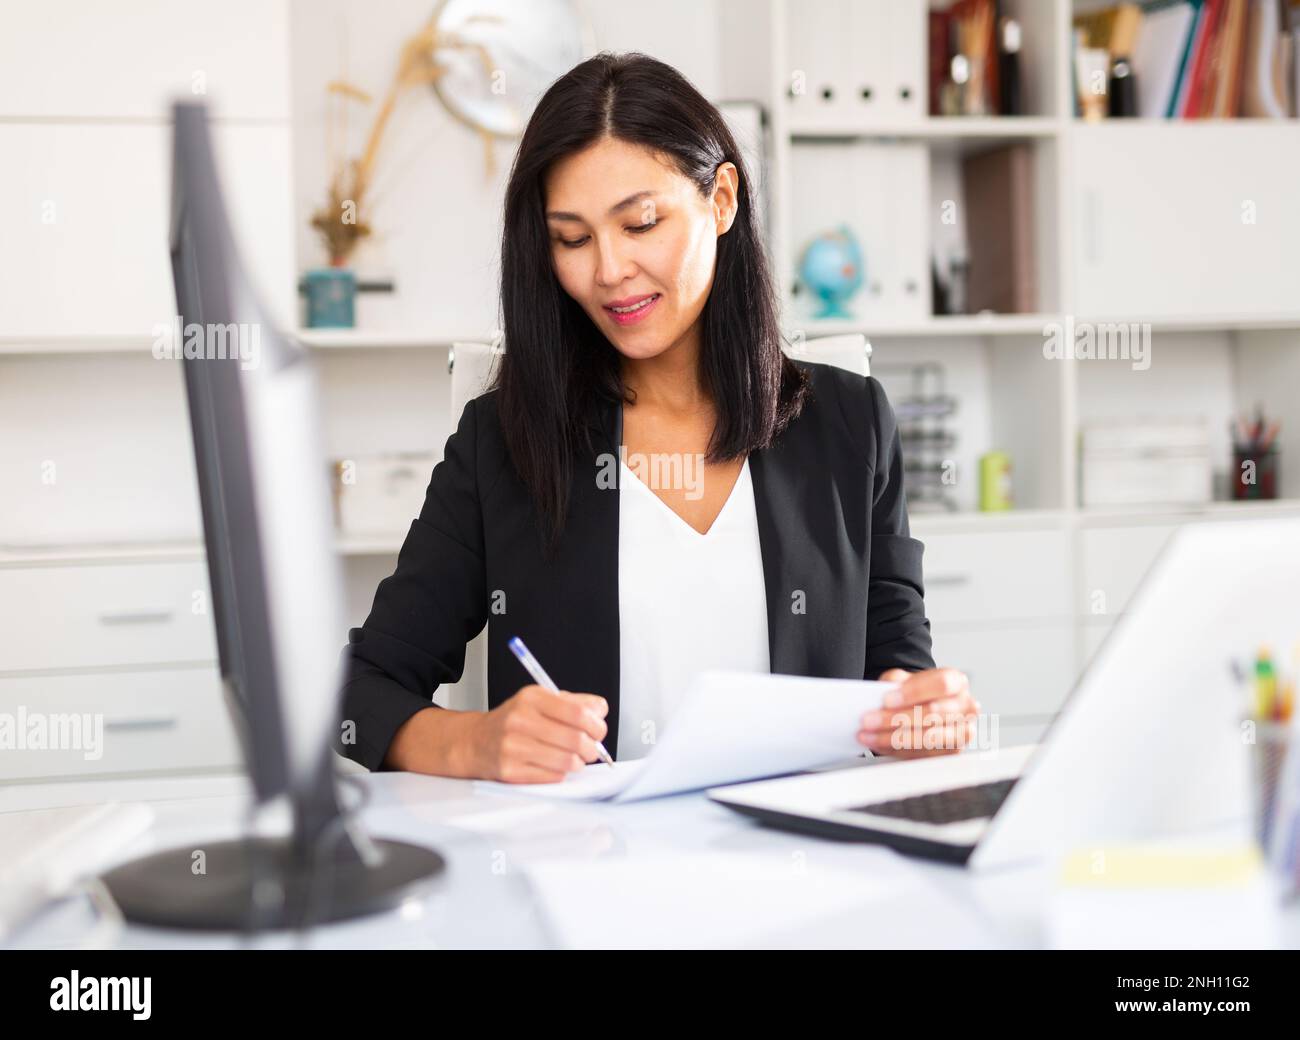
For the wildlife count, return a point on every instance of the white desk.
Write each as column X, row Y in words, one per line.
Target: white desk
column 484, row 900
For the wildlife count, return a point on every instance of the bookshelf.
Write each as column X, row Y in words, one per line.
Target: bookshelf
column 1197, row 277
column 1134, row 220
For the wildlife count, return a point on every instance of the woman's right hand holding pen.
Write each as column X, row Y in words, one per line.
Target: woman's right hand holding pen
column 538, row 736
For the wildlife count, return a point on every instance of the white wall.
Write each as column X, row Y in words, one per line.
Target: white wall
column 438, row 212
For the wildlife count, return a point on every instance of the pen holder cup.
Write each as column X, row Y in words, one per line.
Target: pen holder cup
column 1267, row 757
column 1254, row 474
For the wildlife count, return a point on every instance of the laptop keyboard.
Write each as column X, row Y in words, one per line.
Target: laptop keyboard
column 951, row 806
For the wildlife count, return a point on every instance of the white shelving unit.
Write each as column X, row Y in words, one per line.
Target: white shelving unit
column 103, row 584
column 1136, row 221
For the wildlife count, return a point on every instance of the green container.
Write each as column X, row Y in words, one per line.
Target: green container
column 995, row 482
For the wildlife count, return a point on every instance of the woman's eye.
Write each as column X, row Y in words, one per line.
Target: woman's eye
column 639, row 229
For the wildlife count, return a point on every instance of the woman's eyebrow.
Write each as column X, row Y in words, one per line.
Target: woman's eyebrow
column 630, row 200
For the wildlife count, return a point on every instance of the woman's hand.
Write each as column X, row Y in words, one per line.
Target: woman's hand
column 537, row 736
column 931, row 713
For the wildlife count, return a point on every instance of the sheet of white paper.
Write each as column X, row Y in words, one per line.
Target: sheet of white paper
column 756, row 898
column 595, row 783
column 730, row 727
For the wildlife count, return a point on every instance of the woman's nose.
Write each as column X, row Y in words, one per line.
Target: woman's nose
column 614, row 263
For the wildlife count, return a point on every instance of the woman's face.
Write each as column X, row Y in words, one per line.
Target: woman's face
column 627, row 227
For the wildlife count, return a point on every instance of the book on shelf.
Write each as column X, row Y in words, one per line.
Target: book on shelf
column 998, row 187
column 940, row 55
column 1158, row 53
column 969, row 58
column 1202, row 58
column 1198, row 59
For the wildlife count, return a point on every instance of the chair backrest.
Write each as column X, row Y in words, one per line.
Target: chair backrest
column 471, row 368
column 851, row 351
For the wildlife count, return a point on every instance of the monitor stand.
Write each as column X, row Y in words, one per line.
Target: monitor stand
column 326, row 870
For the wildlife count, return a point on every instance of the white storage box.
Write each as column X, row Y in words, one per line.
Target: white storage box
column 381, row 494
column 1146, row 463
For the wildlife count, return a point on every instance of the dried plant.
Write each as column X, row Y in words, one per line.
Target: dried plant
column 343, row 221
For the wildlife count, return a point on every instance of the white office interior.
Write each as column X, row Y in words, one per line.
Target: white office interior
column 1184, row 231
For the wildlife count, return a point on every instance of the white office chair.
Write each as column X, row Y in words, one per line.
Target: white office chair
column 471, row 366
column 851, row 352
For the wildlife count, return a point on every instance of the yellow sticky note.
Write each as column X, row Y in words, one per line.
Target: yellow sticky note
column 1137, row 866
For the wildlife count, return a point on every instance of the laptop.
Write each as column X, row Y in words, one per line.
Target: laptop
column 1150, row 741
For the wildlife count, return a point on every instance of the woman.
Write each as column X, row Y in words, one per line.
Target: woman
column 651, row 487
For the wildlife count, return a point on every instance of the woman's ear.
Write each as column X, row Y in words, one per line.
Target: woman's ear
column 726, row 197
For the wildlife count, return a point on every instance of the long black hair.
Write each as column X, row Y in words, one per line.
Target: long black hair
column 558, row 368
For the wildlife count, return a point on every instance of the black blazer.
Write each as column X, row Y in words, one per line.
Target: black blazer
column 842, row 574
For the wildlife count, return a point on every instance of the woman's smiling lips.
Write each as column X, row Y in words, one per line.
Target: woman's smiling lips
column 640, row 306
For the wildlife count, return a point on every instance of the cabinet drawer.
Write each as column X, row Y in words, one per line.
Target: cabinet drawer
column 1014, row 671
column 116, row 723
column 1115, row 559
column 999, row 576
column 105, row 615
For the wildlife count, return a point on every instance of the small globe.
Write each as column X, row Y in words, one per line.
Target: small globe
column 832, row 269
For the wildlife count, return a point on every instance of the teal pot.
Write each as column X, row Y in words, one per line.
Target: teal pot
column 331, row 298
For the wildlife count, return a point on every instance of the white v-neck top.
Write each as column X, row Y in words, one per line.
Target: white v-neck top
column 687, row 602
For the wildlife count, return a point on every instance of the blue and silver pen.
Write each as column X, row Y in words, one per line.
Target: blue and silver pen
column 535, row 669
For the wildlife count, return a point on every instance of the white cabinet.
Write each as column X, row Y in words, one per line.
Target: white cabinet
column 1094, row 634
column 1115, row 560
column 1181, row 221
column 998, row 604
column 110, row 668
column 1001, row 576
column 1018, row 672
column 88, row 235
column 85, row 102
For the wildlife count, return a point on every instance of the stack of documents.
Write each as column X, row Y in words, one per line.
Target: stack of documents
column 731, row 726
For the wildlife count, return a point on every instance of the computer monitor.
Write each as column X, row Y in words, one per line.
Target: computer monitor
column 276, row 585
column 276, row 591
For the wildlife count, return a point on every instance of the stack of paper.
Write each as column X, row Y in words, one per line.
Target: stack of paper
column 732, row 726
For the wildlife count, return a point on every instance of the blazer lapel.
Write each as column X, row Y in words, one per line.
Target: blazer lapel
column 595, row 507
column 780, row 530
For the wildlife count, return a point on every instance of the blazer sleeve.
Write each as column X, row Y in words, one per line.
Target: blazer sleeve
column 898, row 632
column 425, row 612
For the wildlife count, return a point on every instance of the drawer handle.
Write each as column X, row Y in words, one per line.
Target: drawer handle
column 947, row 579
column 162, row 722
column 136, row 617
